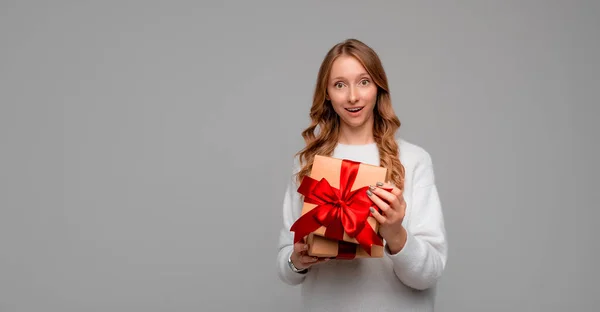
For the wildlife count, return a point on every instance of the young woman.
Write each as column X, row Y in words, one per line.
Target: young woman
column 352, row 118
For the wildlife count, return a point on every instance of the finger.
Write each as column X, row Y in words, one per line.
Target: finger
column 380, row 203
column 397, row 204
column 306, row 260
column 380, row 219
column 400, row 206
column 388, row 185
column 384, row 194
column 300, row 247
column 321, row 259
column 309, row 264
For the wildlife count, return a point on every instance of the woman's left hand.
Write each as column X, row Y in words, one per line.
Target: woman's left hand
column 393, row 208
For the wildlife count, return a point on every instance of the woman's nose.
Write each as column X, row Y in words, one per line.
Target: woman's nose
column 352, row 96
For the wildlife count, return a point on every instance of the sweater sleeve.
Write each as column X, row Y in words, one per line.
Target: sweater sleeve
column 292, row 208
column 421, row 262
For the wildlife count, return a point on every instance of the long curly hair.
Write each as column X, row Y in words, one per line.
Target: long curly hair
column 327, row 122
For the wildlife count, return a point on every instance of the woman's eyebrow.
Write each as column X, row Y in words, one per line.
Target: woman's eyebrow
column 342, row 78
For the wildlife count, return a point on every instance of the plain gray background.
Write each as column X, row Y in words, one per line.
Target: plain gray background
column 145, row 146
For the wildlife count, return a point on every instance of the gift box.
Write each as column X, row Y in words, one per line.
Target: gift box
column 336, row 220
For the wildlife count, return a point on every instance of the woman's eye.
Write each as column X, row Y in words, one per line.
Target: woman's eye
column 339, row 85
column 364, row 82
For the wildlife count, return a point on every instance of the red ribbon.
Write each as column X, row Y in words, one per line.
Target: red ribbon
column 339, row 210
column 346, row 251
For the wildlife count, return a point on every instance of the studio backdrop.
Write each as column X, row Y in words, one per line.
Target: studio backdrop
column 145, row 146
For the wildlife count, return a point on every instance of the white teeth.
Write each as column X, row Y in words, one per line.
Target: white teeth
column 354, row 109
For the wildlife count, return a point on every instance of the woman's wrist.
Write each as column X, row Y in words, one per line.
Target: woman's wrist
column 396, row 243
column 294, row 267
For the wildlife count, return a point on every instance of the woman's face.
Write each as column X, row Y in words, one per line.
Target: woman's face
column 352, row 92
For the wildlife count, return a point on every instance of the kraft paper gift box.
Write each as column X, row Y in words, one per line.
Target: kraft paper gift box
column 336, row 220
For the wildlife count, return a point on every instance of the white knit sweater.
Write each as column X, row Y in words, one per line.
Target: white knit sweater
column 402, row 282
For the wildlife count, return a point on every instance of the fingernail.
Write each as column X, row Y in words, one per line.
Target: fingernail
column 372, row 209
column 369, row 192
column 379, row 184
column 371, row 187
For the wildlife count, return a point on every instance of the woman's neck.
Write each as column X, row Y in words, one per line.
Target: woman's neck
column 353, row 136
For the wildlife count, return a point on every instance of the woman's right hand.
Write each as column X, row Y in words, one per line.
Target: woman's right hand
column 301, row 259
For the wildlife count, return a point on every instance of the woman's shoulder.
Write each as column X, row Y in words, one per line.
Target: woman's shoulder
column 413, row 155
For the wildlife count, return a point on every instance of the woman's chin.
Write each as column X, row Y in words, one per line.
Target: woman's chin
column 355, row 123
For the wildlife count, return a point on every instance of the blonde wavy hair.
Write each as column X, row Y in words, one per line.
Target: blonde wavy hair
column 323, row 117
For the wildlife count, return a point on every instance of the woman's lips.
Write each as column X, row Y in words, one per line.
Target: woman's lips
column 354, row 109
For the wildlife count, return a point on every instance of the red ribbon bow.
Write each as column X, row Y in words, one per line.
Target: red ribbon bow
column 339, row 210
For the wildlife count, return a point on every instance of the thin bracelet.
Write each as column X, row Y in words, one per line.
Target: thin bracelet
column 294, row 268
